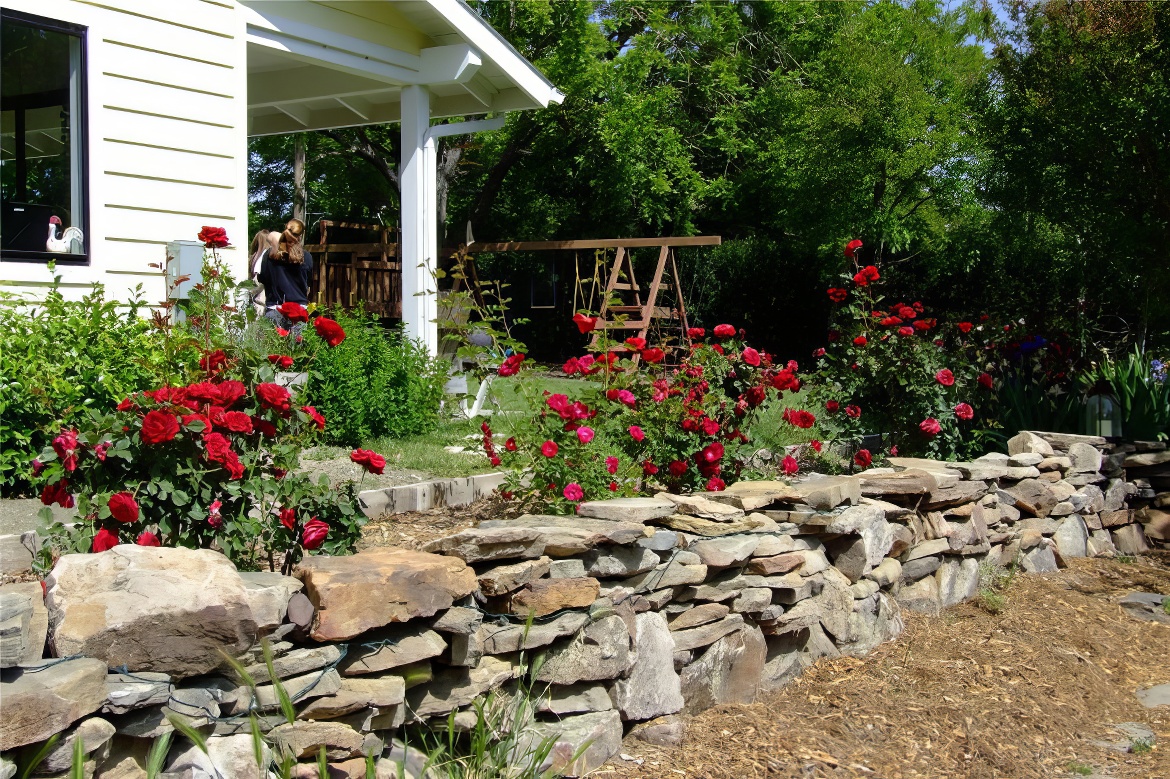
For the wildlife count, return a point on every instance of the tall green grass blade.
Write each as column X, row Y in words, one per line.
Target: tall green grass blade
column 322, row 763
column 157, row 757
column 257, row 743
column 77, row 766
column 286, row 704
column 39, row 756
column 191, row 734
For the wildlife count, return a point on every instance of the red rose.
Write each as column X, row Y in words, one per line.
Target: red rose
column 854, row 412
column 906, row 312
column 549, row 448
column 571, row 366
column 815, row 445
column 696, row 332
column 294, row 312
column 237, row 422
column 288, row 518
column 573, row 492
column 863, row 458
column 964, row 327
column 585, row 324
column 712, row 452
column 510, row 366
column 945, row 377
column 213, row 362
column 314, row 533
column 264, row 427
column 677, row 468
column 860, row 341
column 57, row 493
column 838, row 295
column 852, row 247
column 213, row 237
column 65, row 445
column 282, row 332
column 986, row 381
column 905, row 332
column 228, row 392
column 789, row 465
column 217, row 446
column 330, row 332
column 831, row 406
column 123, row 507
column 234, row 467
column 924, row 324
column 860, row 279
column 203, row 391
column 126, row 404
column 282, row 361
column 315, row 415
column 275, row 397
column 649, row 468
column 653, row 355
column 368, row 459
column 146, row 538
column 751, row 357
column 636, row 344
column 724, row 331
column 636, row 433
column 715, row 484
column 159, row 427
column 510, row 445
column 799, row 418
column 104, row 540
column 964, row 411
column 930, row 427
column 890, row 321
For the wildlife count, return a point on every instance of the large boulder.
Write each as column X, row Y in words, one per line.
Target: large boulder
column 269, row 594
column 652, row 689
column 728, row 671
column 599, row 652
column 374, row 588
column 150, row 608
column 36, row 702
column 580, row 744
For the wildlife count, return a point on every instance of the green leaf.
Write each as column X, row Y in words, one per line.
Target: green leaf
column 193, row 735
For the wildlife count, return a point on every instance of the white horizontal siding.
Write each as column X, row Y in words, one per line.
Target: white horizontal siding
column 167, row 137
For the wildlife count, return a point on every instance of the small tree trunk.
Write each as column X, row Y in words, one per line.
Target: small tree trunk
column 300, row 191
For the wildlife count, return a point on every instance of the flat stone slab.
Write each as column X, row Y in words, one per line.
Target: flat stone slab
column 827, row 492
column 626, row 509
column 1145, row 606
column 1153, row 697
column 698, row 505
column 39, row 703
column 376, row 587
column 710, row 528
column 910, row 482
column 561, row 536
column 752, row 495
column 391, row 647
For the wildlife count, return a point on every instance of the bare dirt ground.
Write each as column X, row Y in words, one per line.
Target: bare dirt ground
column 970, row 695
column 412, row 529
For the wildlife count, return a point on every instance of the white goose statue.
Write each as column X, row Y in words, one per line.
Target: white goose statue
column 64, row 244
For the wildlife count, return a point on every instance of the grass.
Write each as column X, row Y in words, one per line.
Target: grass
column 1166, row 605
column 1141, row 746
column 1080, row 769
column 994, row 580
column 1126, row 559
column 427, row 453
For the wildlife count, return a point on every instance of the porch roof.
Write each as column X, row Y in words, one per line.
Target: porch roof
column 323, row 64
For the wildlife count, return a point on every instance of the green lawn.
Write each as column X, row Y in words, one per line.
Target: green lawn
column 426, row 452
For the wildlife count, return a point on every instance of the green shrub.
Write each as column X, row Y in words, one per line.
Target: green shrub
column 59, row 358
column 376, row 383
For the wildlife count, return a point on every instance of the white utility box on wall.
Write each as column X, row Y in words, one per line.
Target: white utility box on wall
column 184, row 258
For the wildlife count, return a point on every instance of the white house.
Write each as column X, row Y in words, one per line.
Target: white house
column 129, row 120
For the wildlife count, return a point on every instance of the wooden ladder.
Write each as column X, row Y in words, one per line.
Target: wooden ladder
column 620, row 315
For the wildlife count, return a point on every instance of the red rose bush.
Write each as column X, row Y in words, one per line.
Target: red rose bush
column 209, row 463
column 636, row 427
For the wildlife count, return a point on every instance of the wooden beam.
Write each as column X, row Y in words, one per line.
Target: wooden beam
column 595, row 243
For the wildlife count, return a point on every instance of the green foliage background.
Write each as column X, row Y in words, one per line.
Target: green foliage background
column 375, row 383
column 1002, row 160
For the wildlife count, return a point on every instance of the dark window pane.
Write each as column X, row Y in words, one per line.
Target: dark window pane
column 40, row 144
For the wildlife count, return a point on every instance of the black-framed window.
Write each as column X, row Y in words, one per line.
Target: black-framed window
column 43, row 181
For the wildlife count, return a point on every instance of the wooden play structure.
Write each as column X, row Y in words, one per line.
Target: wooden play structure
column 357, row 263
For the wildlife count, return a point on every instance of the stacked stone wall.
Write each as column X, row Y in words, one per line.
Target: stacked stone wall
column 619, row 618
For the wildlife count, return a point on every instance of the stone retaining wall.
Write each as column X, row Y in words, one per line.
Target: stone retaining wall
column 637, row 609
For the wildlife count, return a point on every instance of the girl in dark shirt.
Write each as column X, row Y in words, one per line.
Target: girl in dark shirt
column 285, row 270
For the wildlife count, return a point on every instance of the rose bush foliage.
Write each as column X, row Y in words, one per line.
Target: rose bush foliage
column 210, row 463
column 892, row 368
column 638, row 426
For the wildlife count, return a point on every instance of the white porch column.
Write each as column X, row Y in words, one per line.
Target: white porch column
column 419, row 212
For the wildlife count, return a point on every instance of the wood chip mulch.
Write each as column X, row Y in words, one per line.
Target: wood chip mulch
column 971, row 695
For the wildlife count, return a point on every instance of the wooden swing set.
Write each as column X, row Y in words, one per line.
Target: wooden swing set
column 625, row 305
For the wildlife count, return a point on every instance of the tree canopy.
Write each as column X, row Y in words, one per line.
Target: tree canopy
column 1015, row 165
